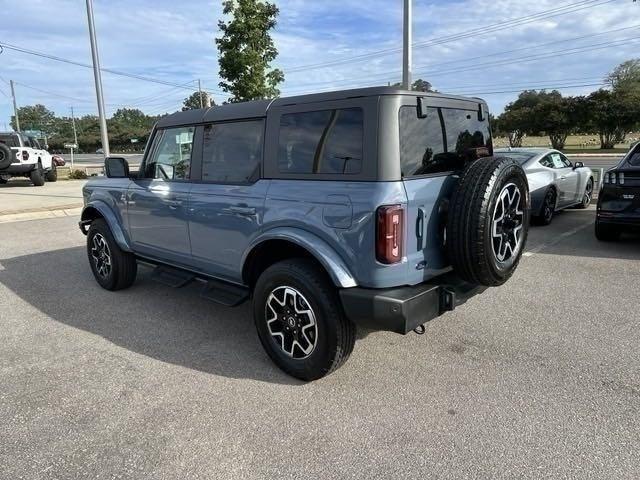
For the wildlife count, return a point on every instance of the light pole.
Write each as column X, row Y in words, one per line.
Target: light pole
column 15, row 106
column 406, row 50
column 98, row 79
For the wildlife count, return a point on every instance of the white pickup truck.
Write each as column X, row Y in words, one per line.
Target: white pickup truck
column 22, row 156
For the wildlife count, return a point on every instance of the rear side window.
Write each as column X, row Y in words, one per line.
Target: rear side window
column 634, row 158
column 442, row 142
column 232, row 152
column 327, row 142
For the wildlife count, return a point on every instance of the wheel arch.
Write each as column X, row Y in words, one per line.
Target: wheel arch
column 281, row 244
column 98, row 209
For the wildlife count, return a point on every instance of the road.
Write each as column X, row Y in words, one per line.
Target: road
column 536, row 379
column 135, row 159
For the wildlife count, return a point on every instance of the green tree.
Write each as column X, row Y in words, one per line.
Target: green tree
column 197, row 100
column 419, row 86
column 612, row 115
column 246, row 50
column 35, row 117
column 625, row 78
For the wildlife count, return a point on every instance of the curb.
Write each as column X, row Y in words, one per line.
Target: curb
column 40, row 215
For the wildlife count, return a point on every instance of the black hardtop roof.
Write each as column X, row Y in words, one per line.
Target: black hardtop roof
column 259, row 108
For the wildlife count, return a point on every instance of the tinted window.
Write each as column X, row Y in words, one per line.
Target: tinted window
column 634, row 158
column 171, row 158
column 10, row 140
column 34, row 143
column 232, row 151
column 442, row 142
column 328, row 141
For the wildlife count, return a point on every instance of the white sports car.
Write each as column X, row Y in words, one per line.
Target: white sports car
column 554, row 181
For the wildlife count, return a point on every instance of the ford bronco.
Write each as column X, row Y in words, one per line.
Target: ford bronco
column 23, row 156
column 375, row 208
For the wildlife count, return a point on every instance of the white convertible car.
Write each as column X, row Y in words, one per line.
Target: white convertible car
column 555, row 183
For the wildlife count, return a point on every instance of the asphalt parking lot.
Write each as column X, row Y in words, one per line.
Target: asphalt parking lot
column 536, row 379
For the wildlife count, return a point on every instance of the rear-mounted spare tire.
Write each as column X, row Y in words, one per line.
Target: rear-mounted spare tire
column 6, row 156
column 488, row 221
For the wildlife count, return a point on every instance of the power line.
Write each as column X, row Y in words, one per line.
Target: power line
column 566, row 9
column 17, row 48
column 563, row 87
column 502, row 62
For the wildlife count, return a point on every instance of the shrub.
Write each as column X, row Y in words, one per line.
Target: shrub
column 77, row 175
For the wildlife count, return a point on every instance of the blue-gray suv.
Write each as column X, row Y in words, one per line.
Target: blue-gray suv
column 378, row 208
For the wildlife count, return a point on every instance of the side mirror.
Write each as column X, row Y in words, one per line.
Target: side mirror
column 578, row 165
column 116, row 167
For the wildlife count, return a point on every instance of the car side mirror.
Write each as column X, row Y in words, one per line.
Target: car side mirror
column 116, row 167
column 578, row 165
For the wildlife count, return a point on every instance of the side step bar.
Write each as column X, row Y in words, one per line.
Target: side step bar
column 227, row 294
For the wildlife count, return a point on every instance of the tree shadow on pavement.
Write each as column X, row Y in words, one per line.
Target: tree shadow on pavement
column 176, row 326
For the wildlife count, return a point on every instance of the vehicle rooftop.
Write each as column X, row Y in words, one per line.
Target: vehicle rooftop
column 525, row 149
column 259, row 108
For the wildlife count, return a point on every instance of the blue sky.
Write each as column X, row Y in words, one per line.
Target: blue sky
column 174, row 42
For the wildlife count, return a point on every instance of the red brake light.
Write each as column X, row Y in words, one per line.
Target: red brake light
column 390, row 234
column 25, row 155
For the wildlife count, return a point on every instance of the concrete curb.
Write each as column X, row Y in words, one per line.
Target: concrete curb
column 40, row 215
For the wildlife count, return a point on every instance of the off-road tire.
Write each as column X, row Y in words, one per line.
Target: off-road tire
column 470, row 223
column 37, row 175
column 6, row 156
column 52, row 175
column 124, row 267
column 548, row 209
column 335, row 336
column 606, row 233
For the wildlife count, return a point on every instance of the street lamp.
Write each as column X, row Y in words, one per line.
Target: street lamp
column 406, row 50
column 98, row 79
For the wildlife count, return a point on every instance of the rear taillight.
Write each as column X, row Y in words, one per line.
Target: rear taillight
column 390, row 234
column 25, row 155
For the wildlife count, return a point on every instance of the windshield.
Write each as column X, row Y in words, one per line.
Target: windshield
column 10, row 139
column 519, row 157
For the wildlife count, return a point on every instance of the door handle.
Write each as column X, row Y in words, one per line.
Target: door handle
column 242, row 210
column 563, row 178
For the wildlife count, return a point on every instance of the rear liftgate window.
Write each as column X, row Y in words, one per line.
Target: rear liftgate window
column 442, row 142
column 328, row 141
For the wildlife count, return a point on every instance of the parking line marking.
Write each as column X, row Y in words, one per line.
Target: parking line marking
column 561, row 237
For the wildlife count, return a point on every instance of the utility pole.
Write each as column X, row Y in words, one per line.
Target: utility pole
column 98, row 79
column 75, row 135
column 73, row 123
column 200, row 94
column 406, row 51
column 15, row 106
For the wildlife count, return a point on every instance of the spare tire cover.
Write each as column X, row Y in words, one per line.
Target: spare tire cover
column 488, row 221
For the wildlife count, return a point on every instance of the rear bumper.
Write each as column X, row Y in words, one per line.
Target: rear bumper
column 18, row 168
column 402, row 309
column 626, row 219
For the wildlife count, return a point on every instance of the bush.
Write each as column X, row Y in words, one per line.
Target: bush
column 77, row 175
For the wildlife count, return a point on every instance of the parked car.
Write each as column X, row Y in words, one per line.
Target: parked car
column 22, row 156
column 619, row 199
column 58, row 160
column 554, row 181
column 377, row 208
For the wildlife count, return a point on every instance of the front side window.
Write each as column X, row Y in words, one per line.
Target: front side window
column 557, row 160
column 171, row 157
column 326, row 142
column 232, row 152
column 441, row 142
column 34, row 143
